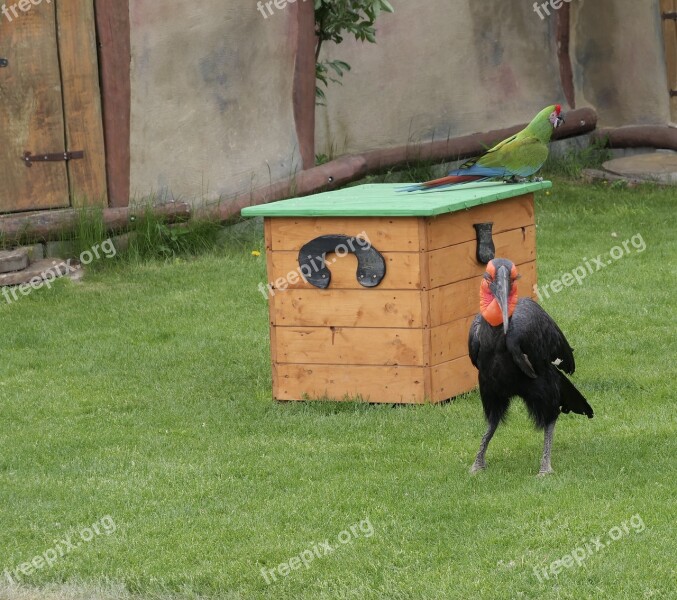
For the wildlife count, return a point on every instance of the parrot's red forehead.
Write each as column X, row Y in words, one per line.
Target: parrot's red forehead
column 558, row 109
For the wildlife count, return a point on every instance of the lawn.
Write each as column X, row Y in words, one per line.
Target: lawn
column 137, row 421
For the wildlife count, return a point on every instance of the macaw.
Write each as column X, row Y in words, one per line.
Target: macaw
column 521, row 155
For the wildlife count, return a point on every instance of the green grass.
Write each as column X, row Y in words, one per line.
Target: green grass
column 144, row 394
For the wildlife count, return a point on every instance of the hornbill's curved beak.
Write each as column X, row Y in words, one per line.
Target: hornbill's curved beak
column 501, row 292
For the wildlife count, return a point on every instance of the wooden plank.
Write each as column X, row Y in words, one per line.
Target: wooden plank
column 450, row 341
column 457, row 228
column 458, row 262
column 113, row 29
column 31, row 118
column 402, row 271
column 458, row 300
column 49, row 225
column 401, row 385
column 349, row 346
column 304, row 81
column 348, row 308
column 271, row 304
column 453, row 378
column 82, row 101
column 386, row 234
column 424, row 266
column 670, row 39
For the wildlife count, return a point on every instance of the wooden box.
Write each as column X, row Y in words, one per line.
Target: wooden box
column 404, row 341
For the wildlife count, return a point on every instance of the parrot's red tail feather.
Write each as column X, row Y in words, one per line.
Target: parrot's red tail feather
column 443, row 182
column 451, row 179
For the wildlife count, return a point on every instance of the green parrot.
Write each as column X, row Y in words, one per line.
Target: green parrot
column 521, row 155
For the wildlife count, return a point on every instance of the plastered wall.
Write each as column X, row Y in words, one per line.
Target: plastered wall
column 212, row 82
column 619, row 60
column 455, row 67
column 212, row 107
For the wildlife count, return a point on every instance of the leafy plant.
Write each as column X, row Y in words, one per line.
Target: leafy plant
column 333, row 20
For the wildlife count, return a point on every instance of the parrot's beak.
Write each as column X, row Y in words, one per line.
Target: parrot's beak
column 560, row 121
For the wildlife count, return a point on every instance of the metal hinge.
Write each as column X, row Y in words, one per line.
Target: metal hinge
column 30, row 158
column 667, row 16
column 673, row 93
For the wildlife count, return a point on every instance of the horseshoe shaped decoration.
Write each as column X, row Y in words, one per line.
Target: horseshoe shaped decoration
column 371, row 266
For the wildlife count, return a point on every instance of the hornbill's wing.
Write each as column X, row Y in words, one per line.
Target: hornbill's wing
column 474, row 340
column 535, row 341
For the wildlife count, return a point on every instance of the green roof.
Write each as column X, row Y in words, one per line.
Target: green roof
column 383, row 200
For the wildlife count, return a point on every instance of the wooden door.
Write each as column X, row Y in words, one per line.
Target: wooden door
column 669, row 14
column 50, row 104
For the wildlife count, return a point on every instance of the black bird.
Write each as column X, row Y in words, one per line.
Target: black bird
column 519, row 351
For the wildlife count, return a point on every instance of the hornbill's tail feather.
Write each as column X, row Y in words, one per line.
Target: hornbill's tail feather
column 572, row 399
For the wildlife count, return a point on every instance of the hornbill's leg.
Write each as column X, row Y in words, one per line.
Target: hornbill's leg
column 547, row 449
column 479, row 463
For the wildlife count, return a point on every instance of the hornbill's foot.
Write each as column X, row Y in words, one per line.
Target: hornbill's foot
column 477, row 467
column 545, row 471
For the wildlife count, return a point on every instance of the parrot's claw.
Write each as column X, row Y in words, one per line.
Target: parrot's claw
column 516, row 179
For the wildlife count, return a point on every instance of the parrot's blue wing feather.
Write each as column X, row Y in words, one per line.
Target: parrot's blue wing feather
column 483, row 171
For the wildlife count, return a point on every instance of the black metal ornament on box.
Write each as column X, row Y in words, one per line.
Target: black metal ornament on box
column 371, row 266
column 486, row 250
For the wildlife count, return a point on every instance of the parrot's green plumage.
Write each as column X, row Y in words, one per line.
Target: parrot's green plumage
column 521, row 155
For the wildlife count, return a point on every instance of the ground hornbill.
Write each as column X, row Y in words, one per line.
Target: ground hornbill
column 519, row 351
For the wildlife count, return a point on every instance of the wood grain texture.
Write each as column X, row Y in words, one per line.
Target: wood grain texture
column 267, row 232
column 458, row 300
column 566, row 72
column 385, row 234
column 453, row 378
column 402, row 385
column 113, row 29
column 670, row 39
column 304, row 81
column 450, row 341
column 457, row 228
column 348, row 308
column 49, row 225
column 424, row 266
column 82, row 101
column 455, row 263
column 350, row 346
column 402, row 271
column 31, row 117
